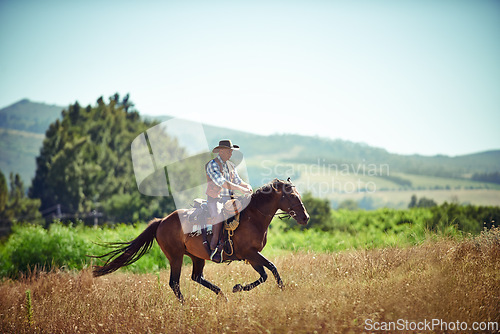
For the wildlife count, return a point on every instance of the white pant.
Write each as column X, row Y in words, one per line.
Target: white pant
column 215, row 206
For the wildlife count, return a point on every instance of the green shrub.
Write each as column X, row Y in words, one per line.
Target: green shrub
column 32, row 247
column 469, row 218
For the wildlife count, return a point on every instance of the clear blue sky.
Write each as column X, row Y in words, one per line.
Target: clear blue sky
column 408, row 76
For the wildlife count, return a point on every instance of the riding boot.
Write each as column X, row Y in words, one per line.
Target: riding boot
column 205, row 240
column 216, row 254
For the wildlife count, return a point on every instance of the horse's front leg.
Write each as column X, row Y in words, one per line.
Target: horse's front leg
column 258, row 262
column 197, row 275
column 248, row 287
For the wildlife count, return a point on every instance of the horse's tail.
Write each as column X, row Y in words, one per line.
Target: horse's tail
column 128, row 252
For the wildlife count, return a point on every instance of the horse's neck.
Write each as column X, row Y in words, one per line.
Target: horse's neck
column 266, row 205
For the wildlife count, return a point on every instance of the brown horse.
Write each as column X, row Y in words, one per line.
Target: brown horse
column 249, row 239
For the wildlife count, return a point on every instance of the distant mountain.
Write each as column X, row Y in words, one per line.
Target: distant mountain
column 18, row 151
column 23, row 125
column 22, row 129
column 29, row 116
column 290, row 148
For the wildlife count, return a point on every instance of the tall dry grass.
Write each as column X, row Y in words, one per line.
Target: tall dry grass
column 324, row 293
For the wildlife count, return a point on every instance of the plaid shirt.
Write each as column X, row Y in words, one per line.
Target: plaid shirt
column 220, row 177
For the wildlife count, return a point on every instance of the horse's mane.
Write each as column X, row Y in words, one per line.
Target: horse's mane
column 266, row 188
column 262, row 192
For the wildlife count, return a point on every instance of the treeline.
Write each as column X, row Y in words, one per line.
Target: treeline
column 487, row 177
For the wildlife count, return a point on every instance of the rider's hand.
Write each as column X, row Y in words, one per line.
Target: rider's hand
column 247, row 189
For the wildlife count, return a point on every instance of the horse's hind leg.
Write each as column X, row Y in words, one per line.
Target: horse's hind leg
column 197, row 275
column 175, row 275
column 258, row 262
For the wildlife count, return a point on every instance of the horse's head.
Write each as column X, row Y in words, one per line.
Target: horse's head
column 291, row 201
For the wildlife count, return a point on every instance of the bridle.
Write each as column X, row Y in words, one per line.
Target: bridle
column 289, row 213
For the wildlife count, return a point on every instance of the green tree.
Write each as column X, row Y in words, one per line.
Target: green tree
column 85, row 164
column 16, row 188
column 14, row 205
column 413, row 202
column 423, row 202
column 319, row 213
column 426, row 203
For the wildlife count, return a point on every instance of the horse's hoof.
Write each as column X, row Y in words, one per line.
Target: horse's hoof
column 238, row 288
column 223, row 297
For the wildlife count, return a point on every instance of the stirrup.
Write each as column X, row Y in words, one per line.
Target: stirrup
column 207, row 247
column 216, row 256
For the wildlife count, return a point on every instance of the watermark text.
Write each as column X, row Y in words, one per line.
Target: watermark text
column 429, row 325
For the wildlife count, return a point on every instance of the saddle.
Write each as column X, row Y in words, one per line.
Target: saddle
column 200, row 214
column 199, row 217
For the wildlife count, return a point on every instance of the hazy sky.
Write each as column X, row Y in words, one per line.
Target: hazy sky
column 408, row 76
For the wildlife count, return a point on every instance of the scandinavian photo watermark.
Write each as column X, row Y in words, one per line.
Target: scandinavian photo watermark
column 429, row 325
column 169, row 159
column 322, row 177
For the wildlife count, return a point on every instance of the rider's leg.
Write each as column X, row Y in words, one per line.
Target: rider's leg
column 215, row 236
column 216, row 228
column 216, row 255
column 216, row 221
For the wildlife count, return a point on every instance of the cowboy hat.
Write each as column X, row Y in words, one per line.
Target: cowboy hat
column 225, row 144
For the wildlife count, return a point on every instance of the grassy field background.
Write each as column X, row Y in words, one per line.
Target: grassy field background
column 447, row 279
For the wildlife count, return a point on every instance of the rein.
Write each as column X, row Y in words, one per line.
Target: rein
column 282, row 215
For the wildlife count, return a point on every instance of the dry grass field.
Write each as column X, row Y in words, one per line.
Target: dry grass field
column 351, row 291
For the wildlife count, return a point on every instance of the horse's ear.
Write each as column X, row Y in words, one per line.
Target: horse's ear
column 288, row 180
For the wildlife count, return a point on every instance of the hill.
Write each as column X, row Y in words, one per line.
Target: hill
column 18, row 151
column 29, row 116
column 22, row 129
column 292, row 148
column 340, row 170
column 331, row 168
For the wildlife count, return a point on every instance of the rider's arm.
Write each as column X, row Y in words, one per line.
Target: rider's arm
column 243, row 186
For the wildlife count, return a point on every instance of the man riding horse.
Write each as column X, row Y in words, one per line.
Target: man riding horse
column 222, row 179
column 249, row 238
